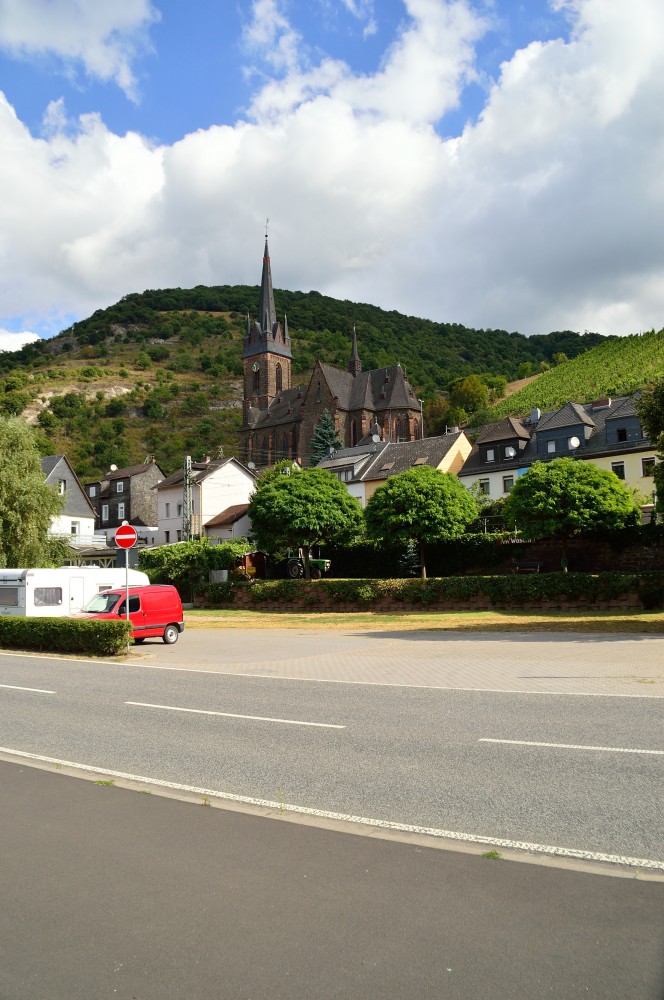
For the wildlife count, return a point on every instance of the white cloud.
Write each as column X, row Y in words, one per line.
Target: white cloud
column 545, row 214
column 10, row 341
column 103, row 37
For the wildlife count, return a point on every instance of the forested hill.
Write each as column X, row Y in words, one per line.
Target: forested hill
column 432, row 354
column 159, row 372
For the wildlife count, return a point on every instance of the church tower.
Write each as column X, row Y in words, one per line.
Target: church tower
column 266, row 350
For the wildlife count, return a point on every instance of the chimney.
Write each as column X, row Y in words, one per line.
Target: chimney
column 535, row 414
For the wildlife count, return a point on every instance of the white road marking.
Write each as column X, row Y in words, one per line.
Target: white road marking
column 573, row 746
column 15, row 687
column 233, row 715
column 280, row 807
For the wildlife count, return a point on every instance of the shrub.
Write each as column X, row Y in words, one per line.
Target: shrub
column 65, row 635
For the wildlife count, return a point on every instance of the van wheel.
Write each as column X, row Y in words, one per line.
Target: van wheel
column 170, row 634
column 137, row 642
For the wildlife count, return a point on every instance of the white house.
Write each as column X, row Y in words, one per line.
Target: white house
column 216, row 487
column 76, row 521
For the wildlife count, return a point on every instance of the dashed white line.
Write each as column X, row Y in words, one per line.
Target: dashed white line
column 573, row 746
column 279, row 808
column 15, row 687
column 235, row 715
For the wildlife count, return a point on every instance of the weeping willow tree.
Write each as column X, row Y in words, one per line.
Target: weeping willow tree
column 27, row 503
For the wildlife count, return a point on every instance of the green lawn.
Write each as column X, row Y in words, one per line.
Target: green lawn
column 463, row 621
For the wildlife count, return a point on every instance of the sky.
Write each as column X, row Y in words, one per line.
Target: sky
column 494, row 163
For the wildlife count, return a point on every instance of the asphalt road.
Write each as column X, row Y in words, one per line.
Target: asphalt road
column 552, row 742
column 107, row 893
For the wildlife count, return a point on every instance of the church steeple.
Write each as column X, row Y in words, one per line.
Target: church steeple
column 267, row 314
column 354, row 365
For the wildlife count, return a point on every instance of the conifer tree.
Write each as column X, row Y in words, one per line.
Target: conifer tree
column 324, row 438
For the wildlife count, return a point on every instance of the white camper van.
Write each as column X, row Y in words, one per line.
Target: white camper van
column 58, row 592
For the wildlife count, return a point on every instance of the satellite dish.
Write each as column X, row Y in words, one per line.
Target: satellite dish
column 113, row 468
column 510, row 452
column 375, row 438
column 251, row 465
column 574, row 442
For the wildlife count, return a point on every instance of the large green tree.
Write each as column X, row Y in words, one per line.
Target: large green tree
column 566, row 497
column 422, row 505
column 27, row 503
column 324, row 438
column 302, row 510
column 651, row 411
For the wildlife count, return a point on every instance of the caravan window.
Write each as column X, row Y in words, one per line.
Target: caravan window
column 9, row 597
column 48, row 597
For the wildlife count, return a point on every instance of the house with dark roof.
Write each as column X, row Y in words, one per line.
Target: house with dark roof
column 367, row 466
column 279, row 419
column 219, row 489
column 126, row 495
column 76, row 521
column 607, row 432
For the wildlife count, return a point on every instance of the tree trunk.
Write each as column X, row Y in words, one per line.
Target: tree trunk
column 423, row 568
column 305, row 558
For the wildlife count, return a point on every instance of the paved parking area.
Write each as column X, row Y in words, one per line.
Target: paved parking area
column 568, row 663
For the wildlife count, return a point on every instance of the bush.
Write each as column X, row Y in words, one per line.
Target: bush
column 65, row 635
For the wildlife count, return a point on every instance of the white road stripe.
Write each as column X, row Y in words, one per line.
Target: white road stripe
column 573, row 746
column 280, row 807
column 233, row 715
column 15, row 687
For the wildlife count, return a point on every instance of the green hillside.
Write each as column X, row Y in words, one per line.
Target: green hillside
column 615, row 368
column 159, row 372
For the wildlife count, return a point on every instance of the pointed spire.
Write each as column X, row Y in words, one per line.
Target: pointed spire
column 267, row 314
column 354, row 365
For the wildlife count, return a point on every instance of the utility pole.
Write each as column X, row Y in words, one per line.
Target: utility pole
column 186, row 500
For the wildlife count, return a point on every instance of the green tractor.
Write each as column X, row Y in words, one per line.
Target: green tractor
column 295, row 567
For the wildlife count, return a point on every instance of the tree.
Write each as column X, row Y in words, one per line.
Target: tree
column 27, row 503
column 651, row 411
column 324, row 437
column 469, row 394
column 302, row 510
column 421, row 505
column 565, row 497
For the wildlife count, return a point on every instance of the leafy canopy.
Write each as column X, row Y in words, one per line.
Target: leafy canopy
column 564, row 497
column 651, row 411
column 423, row 505
column 27, row 503
column 301, row 510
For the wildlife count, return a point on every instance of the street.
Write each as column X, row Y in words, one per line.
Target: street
column 552, row 742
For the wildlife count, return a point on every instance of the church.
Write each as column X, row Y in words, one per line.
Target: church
column 279, row 419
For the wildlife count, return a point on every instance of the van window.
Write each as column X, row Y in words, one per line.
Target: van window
column 47, row 597
column 9, row 597
column 102, row 603
column 134, row 605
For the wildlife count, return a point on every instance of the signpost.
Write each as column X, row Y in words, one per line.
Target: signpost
column 125, row 538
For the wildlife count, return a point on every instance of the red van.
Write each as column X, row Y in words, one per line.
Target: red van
column 153, row 611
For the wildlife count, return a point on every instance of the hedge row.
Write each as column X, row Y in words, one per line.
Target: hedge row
column 96, row 637
column 514, row 589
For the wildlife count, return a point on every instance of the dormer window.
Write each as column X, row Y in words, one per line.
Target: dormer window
column 621, row 434
column 491, row 454
column 551, row 446
column 119, row 486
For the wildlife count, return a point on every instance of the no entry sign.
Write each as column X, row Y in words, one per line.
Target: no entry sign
column 125, row 536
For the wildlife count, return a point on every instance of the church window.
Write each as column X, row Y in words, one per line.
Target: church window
column 279, row 378
column 353, row 433
column 318, row 392
column 284, row 446
column 398, row 430
column 257, row 381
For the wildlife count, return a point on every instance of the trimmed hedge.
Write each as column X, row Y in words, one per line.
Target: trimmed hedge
column 512, row 590
column 96, row 637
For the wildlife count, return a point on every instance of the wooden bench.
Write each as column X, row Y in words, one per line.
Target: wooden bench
column 527, row 565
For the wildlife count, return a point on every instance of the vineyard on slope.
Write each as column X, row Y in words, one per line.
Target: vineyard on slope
column 615, row 368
